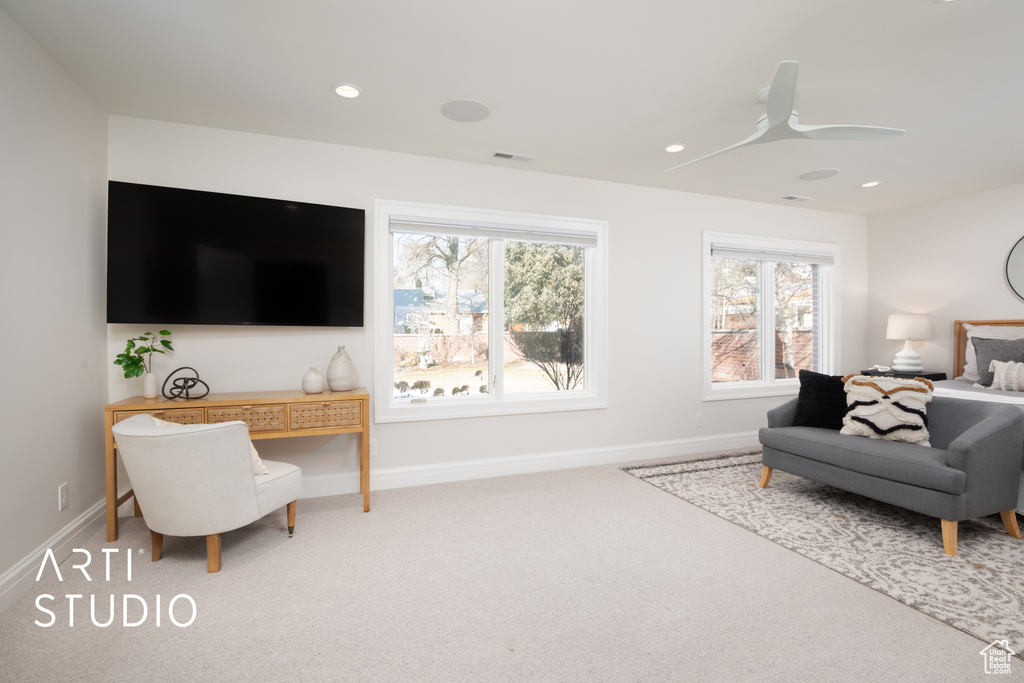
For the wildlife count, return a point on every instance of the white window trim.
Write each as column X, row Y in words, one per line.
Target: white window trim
column 830, row 332
column 595, row 396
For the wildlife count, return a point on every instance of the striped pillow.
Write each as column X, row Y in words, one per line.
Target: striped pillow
column 988, row 332
column 888, row 408
column 1007, row 376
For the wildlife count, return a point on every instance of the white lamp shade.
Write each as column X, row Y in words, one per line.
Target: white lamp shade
column 909, row 326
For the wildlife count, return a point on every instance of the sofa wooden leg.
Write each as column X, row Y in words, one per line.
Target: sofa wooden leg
column 213, row 553
column 949, row 537
column 766, row 476
column 291, row 518
column 1010, row 522
column 158, row 544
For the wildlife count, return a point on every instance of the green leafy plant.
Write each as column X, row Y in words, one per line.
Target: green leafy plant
column 138, row 353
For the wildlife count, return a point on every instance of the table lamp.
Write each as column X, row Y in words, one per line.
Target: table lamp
column 908, row 327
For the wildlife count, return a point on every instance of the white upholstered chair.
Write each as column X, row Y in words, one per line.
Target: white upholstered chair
column 198, row 480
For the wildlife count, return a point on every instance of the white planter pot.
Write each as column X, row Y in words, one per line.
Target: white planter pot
column 149, row 385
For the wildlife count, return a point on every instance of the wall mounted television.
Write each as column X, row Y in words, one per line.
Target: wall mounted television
column 177, row 256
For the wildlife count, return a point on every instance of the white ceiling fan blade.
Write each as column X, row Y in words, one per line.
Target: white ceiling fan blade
column 749, row 141
column 848, row 132
column 782, row 93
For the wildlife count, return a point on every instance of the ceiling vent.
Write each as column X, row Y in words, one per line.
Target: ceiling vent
column 796, row 198
column 511, row 156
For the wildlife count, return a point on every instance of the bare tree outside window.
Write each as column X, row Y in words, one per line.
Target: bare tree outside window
column 736, row 316
column 736, row 301
column 441, row 307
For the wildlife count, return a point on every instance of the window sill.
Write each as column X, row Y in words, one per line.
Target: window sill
column 739, row 390
column 453, row 408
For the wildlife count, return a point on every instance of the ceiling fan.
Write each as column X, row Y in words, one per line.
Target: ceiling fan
column 780, row 121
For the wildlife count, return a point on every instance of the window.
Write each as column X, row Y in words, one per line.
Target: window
column 769, row 311
column 486, row 313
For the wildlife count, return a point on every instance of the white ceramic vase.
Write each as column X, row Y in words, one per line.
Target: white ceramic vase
column 149, row 388
column 341, row 373
column 313, row 381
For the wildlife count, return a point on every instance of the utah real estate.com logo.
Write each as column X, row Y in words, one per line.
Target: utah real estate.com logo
column 134, row 608
column 998, row 656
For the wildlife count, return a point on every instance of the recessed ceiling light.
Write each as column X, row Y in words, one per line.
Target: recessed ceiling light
column 675, row 148
column 347, row 90
column 465, row 111
column 873, row 183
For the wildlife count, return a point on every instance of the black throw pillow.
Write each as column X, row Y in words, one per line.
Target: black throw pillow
column 821, row 402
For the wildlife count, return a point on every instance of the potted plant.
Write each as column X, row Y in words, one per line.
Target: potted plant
column 137, row 358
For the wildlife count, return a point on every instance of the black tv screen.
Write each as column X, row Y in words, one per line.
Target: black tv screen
column 179, row 256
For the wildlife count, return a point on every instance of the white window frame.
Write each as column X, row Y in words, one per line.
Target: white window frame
column 765, row 248
column 496, row 224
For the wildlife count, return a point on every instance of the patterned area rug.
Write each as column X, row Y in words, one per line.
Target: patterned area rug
column 892, row 550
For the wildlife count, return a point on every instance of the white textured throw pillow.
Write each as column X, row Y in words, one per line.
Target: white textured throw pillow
column 987, row 332
column 258, row 467
column 887, row 408
column 1007, row 376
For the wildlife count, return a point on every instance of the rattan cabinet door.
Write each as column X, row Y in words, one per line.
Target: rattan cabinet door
column 260, row 418
column 324, row 415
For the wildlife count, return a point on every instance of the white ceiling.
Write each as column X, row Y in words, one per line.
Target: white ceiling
column 591, row 88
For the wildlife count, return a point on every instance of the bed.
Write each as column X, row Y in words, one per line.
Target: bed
column 960, row 387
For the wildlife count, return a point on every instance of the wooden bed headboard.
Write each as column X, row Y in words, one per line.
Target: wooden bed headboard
column 960, row 340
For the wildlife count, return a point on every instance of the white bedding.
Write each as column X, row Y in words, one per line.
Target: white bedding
column 962, row 388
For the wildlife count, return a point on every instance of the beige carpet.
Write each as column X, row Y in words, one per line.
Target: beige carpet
column 584, row 575
column 887, row 548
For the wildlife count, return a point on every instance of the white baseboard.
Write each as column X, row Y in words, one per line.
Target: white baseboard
column 417, row 475
column 18, row 580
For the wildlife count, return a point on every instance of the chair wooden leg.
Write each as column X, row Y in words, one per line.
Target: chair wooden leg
column 158, row 544
column 138, row 510
column 766, row 476
column 1010, row 522
column 949, row 537
column 213, row 553
column 291, row 518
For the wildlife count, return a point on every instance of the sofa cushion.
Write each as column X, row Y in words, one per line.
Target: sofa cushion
column 902, row 462
column 889, row 408
column 821, row 402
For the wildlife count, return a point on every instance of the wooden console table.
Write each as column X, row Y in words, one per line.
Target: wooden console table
column 270, row 415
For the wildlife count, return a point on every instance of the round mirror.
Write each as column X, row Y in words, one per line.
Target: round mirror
column 1015, row 268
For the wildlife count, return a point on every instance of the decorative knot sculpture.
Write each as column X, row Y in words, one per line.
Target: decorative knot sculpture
column 182, row 387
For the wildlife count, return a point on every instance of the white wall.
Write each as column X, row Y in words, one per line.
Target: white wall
column 946, row 259
column 52, row 225
column 654, row 290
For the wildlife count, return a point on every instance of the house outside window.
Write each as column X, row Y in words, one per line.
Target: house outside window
column 486, row 313
column 769, row 312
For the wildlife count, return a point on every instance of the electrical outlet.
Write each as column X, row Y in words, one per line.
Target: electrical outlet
column 62, row 496
column 373, row 448
column 700, row 419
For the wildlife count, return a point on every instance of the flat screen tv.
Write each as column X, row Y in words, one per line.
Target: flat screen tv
column 179, row 256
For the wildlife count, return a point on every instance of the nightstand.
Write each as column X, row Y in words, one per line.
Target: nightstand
column 932, row 376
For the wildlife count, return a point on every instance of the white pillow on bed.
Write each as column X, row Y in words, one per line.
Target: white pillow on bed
column 1007, row 376
column 988, row 332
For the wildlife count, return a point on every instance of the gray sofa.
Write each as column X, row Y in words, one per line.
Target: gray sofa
column 970, row 471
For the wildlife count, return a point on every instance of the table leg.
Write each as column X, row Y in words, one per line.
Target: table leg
column 364, row 466
column 110, row 459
